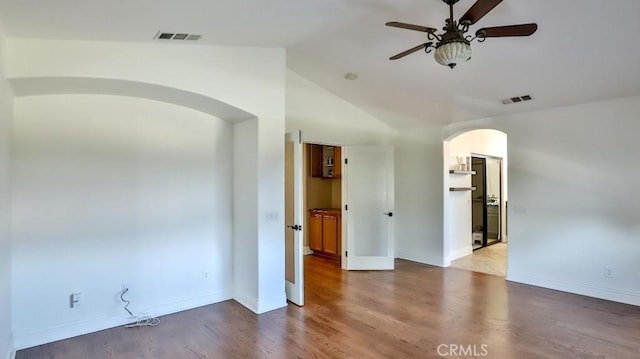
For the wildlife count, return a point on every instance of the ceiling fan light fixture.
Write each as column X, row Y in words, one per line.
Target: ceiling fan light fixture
column 452, row 53
column 453, row 45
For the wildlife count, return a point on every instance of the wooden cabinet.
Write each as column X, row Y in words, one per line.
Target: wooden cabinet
column 325, row 232
column 337, row 155
column 325, row 161
column 315, row 231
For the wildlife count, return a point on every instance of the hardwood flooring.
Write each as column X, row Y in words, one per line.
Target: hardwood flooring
column 416, row 311
column 489, row 260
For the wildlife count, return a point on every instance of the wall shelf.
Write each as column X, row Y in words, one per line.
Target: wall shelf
column 461, row 189
column 456, row 172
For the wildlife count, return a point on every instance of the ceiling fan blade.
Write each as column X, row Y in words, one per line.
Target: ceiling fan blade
column 410, row 51
column 479, row 10
column 506, row 31
column 404, row 25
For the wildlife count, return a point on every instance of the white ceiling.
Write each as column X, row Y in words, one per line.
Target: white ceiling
column 583, row 50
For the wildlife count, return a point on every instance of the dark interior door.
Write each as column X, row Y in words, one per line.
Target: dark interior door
column 478, row 202
column 486, row 207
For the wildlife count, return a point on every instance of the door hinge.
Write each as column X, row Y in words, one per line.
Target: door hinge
column 346, row 253
column 346, row 207
column 300, row 136
column 346, row 161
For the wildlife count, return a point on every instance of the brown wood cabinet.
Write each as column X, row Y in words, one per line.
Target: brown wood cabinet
column 315, row 230
column 325, row 161
column 325, row 232
column 337, row 155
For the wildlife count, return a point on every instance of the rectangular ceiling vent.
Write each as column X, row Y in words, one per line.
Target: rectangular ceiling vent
column 176, row 36
column 517, row 99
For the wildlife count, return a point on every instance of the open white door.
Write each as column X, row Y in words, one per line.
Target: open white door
column 294, row 264
column 368, row 195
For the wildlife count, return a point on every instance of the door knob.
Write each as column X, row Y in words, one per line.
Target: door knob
column 390, row 214
column 295, row 227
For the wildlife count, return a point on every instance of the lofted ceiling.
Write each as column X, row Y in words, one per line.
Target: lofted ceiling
column 581, row 53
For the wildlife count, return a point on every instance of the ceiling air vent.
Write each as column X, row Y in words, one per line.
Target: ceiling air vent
column 517, row 99
column 176, row 36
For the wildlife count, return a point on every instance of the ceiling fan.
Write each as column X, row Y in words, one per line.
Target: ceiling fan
column 454, row 45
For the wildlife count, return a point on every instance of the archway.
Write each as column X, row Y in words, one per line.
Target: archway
column 35, row 86
column 465, row 189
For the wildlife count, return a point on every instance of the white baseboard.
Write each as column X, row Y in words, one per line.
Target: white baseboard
column 307, row 250
column 615, row 295
column 264, row 305
column 70, row 330
column 192, row 303
column 269, row 304
column 459, row 253
column 430, row 260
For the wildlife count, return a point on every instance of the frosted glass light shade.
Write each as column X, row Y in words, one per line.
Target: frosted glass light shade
column 453, row 53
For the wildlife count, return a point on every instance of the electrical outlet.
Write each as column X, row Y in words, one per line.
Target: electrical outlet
column 608, row 272
column 74, row 300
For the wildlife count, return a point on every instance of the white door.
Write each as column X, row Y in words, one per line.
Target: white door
column 294, row 264
column 368, row 216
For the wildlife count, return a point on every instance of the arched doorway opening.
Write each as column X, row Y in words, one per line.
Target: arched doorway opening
column 475, row 201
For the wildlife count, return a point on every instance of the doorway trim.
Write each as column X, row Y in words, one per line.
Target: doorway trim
column 305, row 176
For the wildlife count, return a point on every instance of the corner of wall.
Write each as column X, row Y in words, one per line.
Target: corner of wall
column 327, row 118
column 419, row 200
column 437, row 261
column 459, row 253
column 11, row 352
column 245, row 214
column 6, row 95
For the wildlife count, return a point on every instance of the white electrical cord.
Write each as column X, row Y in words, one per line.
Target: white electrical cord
column 144, row 321
column 141, row 321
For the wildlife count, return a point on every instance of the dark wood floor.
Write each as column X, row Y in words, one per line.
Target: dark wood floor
column 416, row 311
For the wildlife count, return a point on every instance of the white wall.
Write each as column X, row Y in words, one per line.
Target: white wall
column 457, row 221
column 6, row 114
column 573, row 208
column 325, row 118
column 419, row 200
column 245, row 226
column 250, row 79
column 270, row 181
column 115, row 190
